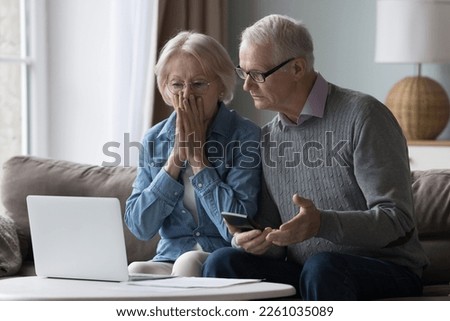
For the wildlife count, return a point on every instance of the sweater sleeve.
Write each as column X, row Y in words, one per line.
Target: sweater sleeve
column 382, row 173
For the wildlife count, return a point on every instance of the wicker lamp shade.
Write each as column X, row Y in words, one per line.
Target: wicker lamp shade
column 421, row 107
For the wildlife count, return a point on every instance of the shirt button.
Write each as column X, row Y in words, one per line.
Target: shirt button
column 200, row 185
column 175, row 193
column 197, row 233
column 152, row 164
column 183, row 211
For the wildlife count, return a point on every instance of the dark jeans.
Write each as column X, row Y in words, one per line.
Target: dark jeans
column 324, row 276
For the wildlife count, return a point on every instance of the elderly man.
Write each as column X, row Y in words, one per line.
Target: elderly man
column 336, row 166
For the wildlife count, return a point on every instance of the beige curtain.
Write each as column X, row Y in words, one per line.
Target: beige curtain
column 206, row 16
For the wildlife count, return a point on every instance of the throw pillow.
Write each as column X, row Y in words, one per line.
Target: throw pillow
column 10, row 256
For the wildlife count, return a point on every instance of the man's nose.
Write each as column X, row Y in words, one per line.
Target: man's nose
column 248, row 83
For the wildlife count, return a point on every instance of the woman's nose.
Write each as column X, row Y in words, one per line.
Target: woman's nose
column 187, row 90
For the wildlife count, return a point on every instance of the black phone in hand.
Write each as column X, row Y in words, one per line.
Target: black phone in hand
column 241, row 221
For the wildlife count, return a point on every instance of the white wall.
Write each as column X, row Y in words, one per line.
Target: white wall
column 344, row 36
column 78, row 74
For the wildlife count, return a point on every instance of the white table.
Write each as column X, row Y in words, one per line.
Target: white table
column 35, row 288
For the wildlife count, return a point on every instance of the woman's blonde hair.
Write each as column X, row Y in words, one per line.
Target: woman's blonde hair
column 211, row 55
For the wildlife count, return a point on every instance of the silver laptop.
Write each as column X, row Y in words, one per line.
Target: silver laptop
column 79, row 238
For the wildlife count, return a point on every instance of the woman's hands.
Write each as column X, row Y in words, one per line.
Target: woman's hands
column 190, row 135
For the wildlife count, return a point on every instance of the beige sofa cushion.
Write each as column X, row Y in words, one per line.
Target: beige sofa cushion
column 431, row 191
column 26, row 175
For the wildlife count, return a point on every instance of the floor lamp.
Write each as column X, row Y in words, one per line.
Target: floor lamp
column 416, row 32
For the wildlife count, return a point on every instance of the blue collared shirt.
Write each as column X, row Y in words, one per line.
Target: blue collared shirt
column 231, row 183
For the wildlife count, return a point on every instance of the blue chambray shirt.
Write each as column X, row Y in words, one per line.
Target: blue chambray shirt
column 232, row 184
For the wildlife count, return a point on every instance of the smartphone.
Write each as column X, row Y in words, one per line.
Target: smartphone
column 241, row 221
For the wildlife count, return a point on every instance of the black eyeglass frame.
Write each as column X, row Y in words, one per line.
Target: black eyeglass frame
column 243, row 74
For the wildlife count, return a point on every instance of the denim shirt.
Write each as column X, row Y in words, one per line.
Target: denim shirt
column 231, row 183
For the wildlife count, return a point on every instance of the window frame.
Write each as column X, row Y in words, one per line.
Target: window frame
column 33, row 65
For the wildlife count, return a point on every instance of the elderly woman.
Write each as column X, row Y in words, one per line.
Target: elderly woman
column 202, row 160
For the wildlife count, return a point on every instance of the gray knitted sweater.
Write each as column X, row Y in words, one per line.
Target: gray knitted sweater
column 353, row 164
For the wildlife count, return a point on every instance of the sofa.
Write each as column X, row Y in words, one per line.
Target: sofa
column 27, row 175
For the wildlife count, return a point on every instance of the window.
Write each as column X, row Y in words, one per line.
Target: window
column 13, row 66
column 22, row 89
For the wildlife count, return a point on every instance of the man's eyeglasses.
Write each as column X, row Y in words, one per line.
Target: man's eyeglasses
column 198, row 87
column 257, row 75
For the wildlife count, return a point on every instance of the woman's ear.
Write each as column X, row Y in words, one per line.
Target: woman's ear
column 221, row 92
column 299, row 67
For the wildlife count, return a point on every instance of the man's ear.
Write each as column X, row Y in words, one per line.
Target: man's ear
column 299, row 67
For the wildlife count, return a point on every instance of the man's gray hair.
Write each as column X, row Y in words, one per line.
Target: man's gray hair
column 288, row 37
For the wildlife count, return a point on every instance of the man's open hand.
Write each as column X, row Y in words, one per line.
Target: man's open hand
column 302, row 226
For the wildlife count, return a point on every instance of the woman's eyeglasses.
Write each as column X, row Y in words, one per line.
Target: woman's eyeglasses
column 259, row 76
column 198, row 87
